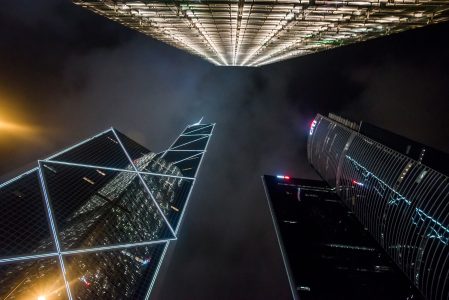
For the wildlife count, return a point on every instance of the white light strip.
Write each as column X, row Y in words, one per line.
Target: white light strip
column 174, row 142
column 117, row 247
column 198, row 129
column 166, row 175
column 53, row 228
column 87, row 166
column 198, row 139
column 18, row 177
column 144, row 184
column 191, row 188
column 199, row 134
column 78, row 144
column 115, row 169
column 178, row 150
column 187, row 158
column 27, row 257
column 153, row 280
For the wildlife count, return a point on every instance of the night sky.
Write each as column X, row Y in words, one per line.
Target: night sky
column 67, row 73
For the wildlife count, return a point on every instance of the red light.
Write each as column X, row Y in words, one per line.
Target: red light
column 358, row 183
column 287, row 177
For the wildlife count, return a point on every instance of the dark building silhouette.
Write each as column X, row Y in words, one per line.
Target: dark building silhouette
column 95, row 220
column 328, row 254
column 376, row 182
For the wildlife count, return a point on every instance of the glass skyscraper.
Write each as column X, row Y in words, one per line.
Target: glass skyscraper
column 255, row 33
column 95, row 220
column 397, row 188
column 327, row 253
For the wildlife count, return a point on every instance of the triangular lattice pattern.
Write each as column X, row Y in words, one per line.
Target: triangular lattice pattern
column 95, row 220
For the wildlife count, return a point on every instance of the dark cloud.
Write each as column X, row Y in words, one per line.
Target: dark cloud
column 75, row 73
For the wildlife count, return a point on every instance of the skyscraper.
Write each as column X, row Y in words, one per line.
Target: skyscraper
column 95, row 220
column 397, row 188
column 255, row 33
column 327, row 253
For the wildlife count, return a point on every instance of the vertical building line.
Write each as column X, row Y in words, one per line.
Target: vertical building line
column 194, row 180
column 278, row 238
column 144, row 184
column 53, row 228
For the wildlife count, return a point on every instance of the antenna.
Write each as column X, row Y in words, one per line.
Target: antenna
column 199, row 122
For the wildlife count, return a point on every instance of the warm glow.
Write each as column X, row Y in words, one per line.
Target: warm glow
column 41, row 298
column 13, row 122
column 13, row 127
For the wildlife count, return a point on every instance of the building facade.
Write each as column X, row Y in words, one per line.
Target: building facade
column 256, row 33
column 397, row 188
column 327, row 253
column 95, row 220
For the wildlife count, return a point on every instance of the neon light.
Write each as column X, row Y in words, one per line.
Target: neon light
column 312, row 127
column 378, row 192
column 435, row 229
column 365, row 173
column 394, row 200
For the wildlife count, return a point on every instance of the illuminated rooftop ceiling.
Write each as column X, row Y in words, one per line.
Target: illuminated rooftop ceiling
column 255, row 33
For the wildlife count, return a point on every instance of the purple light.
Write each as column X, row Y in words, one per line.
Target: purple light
column 312, row 126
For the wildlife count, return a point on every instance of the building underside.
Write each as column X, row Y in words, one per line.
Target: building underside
column 256, row 33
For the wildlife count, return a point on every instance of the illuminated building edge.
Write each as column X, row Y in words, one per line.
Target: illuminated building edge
column 402, row 202
column 80, row 239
